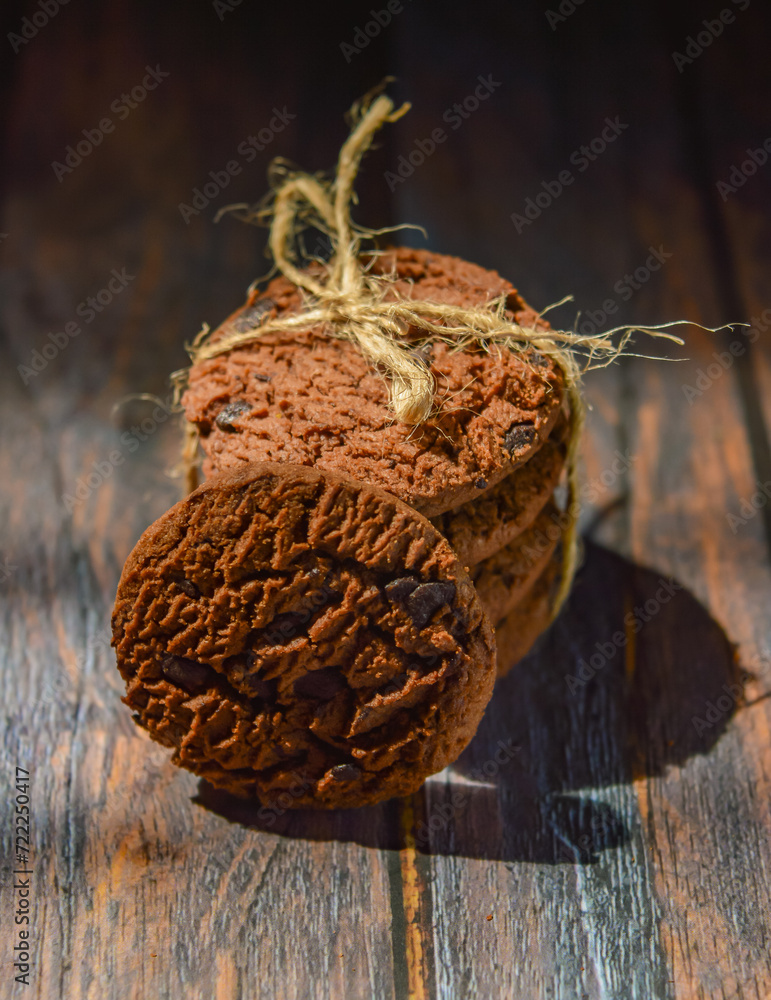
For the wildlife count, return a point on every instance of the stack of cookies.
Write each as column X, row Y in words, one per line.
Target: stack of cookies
column 484, row 472
column 322, row 621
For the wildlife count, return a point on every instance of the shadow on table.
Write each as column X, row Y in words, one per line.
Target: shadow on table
column 633, row 677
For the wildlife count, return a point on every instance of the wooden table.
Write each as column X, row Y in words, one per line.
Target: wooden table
column 621, row 845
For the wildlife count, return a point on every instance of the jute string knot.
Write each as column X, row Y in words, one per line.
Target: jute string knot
column 347, row 301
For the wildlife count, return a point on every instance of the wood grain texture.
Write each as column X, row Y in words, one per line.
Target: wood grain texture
column 606, row 834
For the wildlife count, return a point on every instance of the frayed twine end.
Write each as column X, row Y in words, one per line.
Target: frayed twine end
column 346, row 301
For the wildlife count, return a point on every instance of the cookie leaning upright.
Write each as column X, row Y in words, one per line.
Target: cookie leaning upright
column 296, row 633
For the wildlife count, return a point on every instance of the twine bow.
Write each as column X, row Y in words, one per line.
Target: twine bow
column 352, row 304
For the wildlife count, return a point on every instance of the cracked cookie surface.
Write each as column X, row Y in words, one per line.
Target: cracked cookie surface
column 311, row 399
column 302, row 638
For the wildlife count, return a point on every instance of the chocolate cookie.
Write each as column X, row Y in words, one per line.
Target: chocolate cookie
column 303, row 638
column 516, row 634
column 482, row 527
column 502, row 580
column 310, row 399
